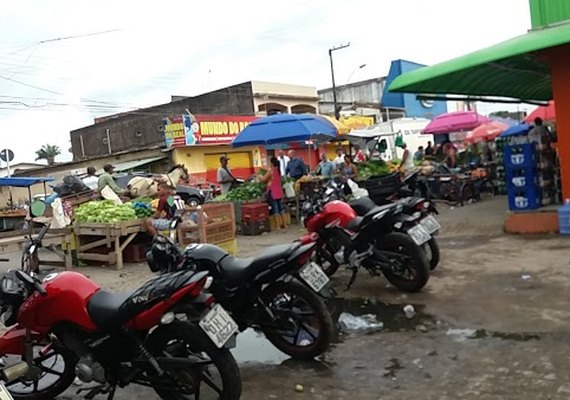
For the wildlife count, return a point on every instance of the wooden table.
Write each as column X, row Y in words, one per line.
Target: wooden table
column 14, row 241
column 115, row 236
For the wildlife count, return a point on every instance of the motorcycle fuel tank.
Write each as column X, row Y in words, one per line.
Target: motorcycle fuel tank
column 333, row 212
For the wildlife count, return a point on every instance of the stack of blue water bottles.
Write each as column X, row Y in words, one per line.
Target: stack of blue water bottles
column 523, row 184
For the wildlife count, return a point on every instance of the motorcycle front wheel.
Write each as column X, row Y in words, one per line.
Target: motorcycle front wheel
column 56, row 372
column 409, row 266
column 216, row 377
column 303, row 326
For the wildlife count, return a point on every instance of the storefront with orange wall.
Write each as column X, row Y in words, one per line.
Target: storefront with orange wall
column 198, row 142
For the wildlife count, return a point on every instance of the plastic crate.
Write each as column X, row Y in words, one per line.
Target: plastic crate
column 521, row 156
column 254, row 212
column 524, row 199
column 522, row 178
column 254, row 228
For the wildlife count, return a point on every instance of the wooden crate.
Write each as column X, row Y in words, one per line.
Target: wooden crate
column 215, row 224
column 111, row 229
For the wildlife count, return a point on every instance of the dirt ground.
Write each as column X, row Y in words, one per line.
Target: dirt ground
column 492, row 323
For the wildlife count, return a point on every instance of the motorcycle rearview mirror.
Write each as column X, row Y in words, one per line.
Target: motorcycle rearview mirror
column 37, row 208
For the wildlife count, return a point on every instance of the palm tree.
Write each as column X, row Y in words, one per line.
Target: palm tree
column 48, row 152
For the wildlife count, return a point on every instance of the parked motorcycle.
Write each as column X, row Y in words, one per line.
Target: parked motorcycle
column 416, row 210
column 368, row 241
column 275, row 292
column 67, row 326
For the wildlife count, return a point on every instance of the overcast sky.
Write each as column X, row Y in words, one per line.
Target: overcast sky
column 146, row 52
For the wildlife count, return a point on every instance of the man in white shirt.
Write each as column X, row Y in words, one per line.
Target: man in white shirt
column 91, row 180
column 339, row 158
column 283, row 162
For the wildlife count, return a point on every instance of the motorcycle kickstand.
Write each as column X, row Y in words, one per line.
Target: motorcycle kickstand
column 352, row 278
column 94, row 391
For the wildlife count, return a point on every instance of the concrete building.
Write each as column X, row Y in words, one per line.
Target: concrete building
column 19, row 167
column 144, row 128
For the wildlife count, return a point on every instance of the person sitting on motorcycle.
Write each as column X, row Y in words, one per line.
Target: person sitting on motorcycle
column 164, row 213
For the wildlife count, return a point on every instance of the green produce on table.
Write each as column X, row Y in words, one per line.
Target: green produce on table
column 105, row 211
column 372, row 168
column 245, row 192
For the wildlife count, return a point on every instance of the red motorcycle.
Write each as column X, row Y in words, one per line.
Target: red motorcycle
column 68, row 327
column 367, row 241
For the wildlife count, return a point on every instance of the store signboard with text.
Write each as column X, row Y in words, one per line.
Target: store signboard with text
column 189, row 130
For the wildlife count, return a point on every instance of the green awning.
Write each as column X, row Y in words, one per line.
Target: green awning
column 508, row 69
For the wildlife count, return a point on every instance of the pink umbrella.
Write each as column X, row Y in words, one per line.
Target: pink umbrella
column 459, row 121
column 486, row 132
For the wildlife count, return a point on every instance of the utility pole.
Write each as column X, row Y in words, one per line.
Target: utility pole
column 336, row 110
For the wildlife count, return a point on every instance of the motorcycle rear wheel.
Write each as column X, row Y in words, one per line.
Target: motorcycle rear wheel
column 184, row 337
column 413, row 272
column 432, row 252
column 296, row 305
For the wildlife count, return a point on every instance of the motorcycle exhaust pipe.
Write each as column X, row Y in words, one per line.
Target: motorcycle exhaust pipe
column 13, row 372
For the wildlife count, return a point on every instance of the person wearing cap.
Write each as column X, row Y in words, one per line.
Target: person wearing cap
column 225, row 177
column 91, row 181
column 107, row 180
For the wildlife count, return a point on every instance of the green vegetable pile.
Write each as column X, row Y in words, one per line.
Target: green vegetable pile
column 247, row 191
column 142, row 210
column 372, row 168
column 105, row 211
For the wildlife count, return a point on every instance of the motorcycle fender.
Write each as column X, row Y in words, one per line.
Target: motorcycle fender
column 13, row 341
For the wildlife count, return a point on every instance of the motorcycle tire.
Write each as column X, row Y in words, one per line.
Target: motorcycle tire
column 321, row 341
column 401, row 243
column 63, row 382
column 432, row 252
column 197, row 342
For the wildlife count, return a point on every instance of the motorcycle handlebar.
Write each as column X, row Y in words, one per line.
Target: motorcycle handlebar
column 40, row 288
column 42, row 233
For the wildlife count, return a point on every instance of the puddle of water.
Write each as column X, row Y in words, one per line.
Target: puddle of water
column 462, row 335
column 391, row 316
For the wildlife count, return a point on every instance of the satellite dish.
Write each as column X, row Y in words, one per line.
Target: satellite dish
column 7, row 155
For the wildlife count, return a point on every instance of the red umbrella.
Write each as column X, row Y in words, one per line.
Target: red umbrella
column 486, row 132
column 546, row 113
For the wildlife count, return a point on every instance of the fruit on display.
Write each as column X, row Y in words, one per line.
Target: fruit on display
column 247, row 191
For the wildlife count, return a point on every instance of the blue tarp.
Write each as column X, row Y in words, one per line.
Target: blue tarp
column 23, row 181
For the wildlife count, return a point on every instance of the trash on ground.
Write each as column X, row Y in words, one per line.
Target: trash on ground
column 409, row 311
column 526, row 277
column 364, row 323
column 462, row 335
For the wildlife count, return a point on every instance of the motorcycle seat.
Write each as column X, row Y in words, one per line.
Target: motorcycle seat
column 245, row 268
column 104, row 308
column 354, row 223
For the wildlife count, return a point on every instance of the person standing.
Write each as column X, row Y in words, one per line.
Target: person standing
column 349, row 170
column 429, row 150
column 359, row 157
column 407, row 164
column 164, row 213
column 325, row 167
column 419, row 154
column 106, row 179
column 339, row 160
column 225, row 177
column 296, row 167
column 283, row 162
column 91, row 181
column 274, row 191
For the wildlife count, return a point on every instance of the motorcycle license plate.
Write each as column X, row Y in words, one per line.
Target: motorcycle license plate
column 419, row 234
column 4, row 393
column 218, row 325
column 430, row 224
column 314, row 276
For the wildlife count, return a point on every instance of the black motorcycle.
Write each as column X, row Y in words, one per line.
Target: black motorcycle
column 275, row 292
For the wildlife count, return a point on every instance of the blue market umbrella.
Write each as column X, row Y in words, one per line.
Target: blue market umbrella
column 285, row 128
column 521, row 129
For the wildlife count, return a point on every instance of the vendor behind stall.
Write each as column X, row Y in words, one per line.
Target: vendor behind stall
column 164, row 213
column 107, row 180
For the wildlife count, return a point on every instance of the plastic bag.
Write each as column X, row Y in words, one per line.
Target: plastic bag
column 60, row 218
column 108, row 194
column 365, row 323
column 71, row 185
column 289, row 190
column 356, row 190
